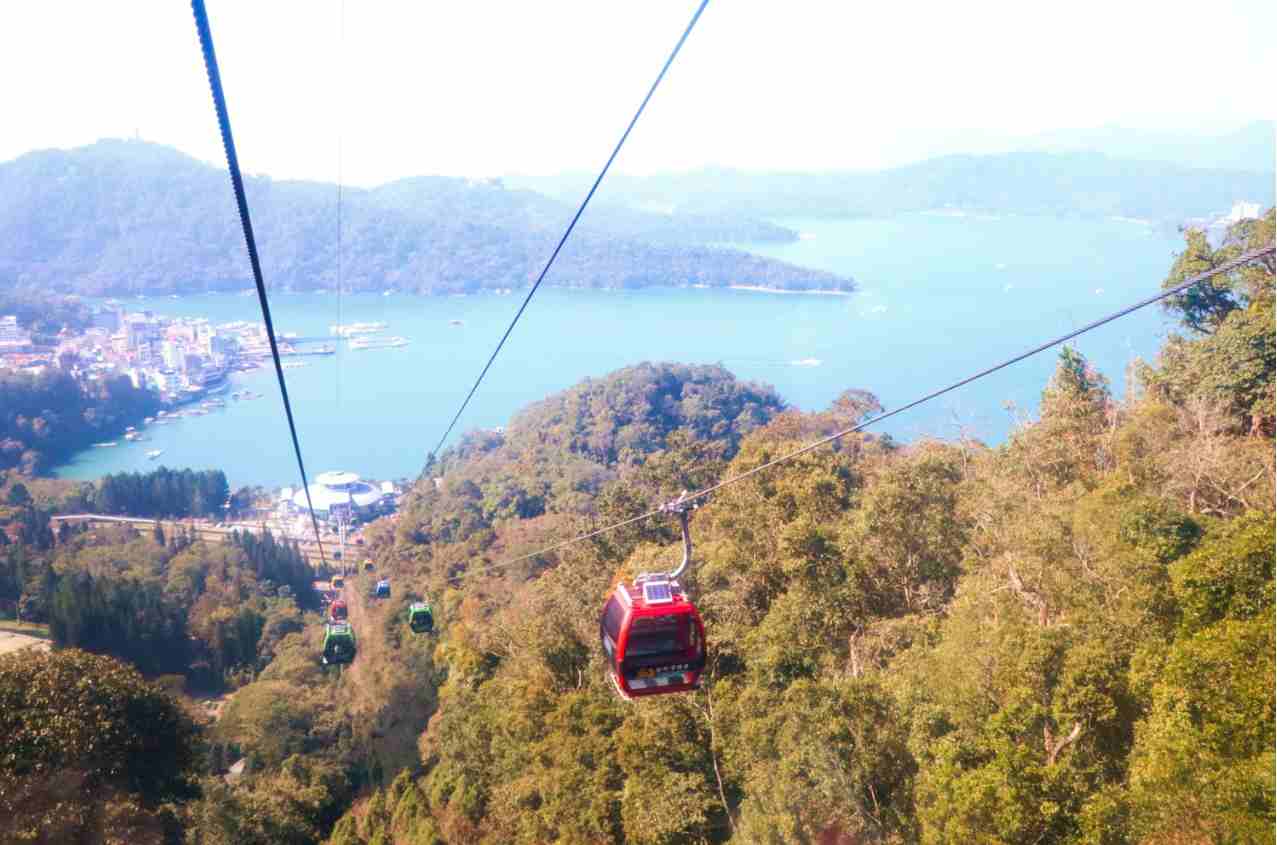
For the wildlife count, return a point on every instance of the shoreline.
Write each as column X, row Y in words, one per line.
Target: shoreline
column 509, row 291
column 815, row 291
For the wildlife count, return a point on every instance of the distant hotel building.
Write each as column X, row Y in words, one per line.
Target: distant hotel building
column 335, row 494
column 12, row 338
column 1244, row 211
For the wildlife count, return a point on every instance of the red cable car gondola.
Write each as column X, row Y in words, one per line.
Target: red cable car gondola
column 653, row 638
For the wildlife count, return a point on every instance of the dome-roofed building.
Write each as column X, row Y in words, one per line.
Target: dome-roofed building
column 333, row 492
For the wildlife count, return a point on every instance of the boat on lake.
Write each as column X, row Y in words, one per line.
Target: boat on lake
column 349, row 329
column 378, row 343
column 154, row 453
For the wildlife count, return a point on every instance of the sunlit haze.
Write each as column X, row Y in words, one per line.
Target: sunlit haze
column 495, row 88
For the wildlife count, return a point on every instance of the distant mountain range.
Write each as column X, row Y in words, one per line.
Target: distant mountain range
column 121, row 217
column 1252, row 147
column 1060, row 182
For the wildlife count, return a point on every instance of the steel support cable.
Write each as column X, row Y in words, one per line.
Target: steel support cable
column 1241, row 260
column 341, row 64
column 572, row 225
column 237, row 182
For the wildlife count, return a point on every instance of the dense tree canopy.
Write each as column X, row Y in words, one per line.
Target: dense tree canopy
column 1068, row 638
column 162, row 492
column 175, row 608
column 46, row 418
column 91, row 751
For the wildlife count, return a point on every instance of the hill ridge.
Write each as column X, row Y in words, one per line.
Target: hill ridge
column 121, row 217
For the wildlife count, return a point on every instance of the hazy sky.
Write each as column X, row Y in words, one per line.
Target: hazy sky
column 487, row 88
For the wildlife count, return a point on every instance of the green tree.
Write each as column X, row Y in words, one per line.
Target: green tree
column 1203, row 763
column 89, row 747
column 1230, row 360
column 18, row 496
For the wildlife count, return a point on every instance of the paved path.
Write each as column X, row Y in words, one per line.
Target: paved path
column 10, row 641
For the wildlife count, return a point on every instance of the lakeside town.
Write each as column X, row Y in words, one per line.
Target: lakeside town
column 184, row 359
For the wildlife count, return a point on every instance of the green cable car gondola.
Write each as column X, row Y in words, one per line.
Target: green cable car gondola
column 339, row 643
column 420, row 619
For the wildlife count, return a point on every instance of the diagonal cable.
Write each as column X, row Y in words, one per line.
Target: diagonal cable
column 1241, row 260
column 571, row 226
column 237, row 182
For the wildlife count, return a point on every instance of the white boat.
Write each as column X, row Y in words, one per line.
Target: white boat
column 378, row 343
column 104, row 445
column 154, row 453
column 348, row 329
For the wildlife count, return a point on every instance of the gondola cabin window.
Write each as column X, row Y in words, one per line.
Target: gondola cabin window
column 613, row 618
column 653, row 635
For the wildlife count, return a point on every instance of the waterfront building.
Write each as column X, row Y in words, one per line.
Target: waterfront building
column 140, row 330
column 172, row 355
column 341, row 494
column 1244, row 211
column 12, row 338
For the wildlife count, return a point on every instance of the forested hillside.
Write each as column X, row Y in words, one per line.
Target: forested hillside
column 1067, row 638
column 123, row 217
column 46, row 418
column 161, row 601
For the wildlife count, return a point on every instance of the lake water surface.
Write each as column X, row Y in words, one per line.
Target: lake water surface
column 940, row 297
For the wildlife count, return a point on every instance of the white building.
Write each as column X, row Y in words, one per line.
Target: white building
column 12, row 338
column 338, row 491
column 1244, row 211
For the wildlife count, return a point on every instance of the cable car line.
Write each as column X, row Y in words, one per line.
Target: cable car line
column 237, row 182
column 572, row 225
column 341, row 64
column 1241, row 260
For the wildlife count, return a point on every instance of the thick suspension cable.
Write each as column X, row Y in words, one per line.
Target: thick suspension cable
column 341, row 64
column 572, row 225
column 237, row 182
column 1241, row 260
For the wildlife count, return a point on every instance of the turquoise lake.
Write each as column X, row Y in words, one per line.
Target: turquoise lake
column 940, row 297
